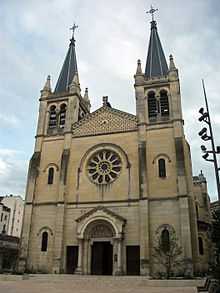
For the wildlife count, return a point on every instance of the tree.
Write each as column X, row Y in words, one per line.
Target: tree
column 216, row 240
column 167, row 252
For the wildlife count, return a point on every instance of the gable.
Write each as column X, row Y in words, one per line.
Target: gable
column 100, row 210
column 105, row 120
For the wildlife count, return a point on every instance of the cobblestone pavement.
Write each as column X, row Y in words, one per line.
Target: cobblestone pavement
column 85, row 285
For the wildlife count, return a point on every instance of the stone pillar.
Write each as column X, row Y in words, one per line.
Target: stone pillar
column 89, row 258
column 85, row 259
column 185, row 231
column 79, row 270
column 58, row 240
column 119, row 262
column 144, row 238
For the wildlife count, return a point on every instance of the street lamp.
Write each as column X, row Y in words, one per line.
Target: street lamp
column 205, row 117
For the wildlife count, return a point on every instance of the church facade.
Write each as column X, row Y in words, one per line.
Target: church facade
column 106, row 188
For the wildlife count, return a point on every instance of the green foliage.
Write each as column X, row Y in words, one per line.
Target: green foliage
column 216, row 240
column 216, row 229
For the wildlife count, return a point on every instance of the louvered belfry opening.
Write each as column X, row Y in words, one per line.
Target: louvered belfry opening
column 53, row 117
column 152, row 105
column 164, row 103
column 62, row 116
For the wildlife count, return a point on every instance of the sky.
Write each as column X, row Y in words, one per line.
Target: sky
column 112, row 35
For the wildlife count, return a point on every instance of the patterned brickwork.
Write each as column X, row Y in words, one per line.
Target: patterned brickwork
column 105, row 120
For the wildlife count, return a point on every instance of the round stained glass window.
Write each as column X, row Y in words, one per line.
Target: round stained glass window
column 104, row 167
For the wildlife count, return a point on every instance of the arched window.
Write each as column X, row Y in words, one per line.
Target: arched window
column 50, row 175
column 62, row 117
column 53, row 117
column 4, row 229
column 165, row 240
column 164, row 103
column 152, row 105
column 44, row 241
column 201, row 248
column 162, row 168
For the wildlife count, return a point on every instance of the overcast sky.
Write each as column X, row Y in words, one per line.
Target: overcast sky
column 112, row 35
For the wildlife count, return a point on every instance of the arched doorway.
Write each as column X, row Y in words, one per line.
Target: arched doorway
column 100, row 235
column 100, row 241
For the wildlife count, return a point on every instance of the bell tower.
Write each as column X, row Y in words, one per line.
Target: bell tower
column 165, row 169
column 159, row 84
column 58, row 110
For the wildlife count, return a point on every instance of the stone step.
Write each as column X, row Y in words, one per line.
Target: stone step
column 120, row 280
column 94, row 284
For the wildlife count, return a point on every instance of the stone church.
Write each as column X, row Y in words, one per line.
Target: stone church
column 106, row 187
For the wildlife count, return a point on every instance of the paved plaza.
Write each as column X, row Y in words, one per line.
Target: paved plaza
column 84, row 284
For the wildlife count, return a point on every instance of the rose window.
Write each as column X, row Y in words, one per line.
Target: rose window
column 104, row 167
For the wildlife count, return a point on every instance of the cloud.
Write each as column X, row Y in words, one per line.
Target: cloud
column 13, row 169
column 8, row 121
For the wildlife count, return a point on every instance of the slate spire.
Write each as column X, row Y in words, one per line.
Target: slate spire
column 156, row 65
column 69, row 68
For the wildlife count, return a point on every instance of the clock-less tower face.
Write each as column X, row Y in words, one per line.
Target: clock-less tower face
column 104, row 167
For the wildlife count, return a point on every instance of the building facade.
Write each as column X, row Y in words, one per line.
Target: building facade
column 105, row 188
column 4, row 217
column 16, row 205
column 204, row 223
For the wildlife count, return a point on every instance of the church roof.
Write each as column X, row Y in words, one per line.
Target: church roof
column 68, row 70
column 105, row 120
column 156, row 65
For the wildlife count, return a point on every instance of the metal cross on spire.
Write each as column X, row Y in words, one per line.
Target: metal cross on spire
column 152, row 11
column 73, row 28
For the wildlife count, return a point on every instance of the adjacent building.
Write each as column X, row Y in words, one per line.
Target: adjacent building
column 204, row 222
column 105, row 188
column 16, row 205
column 11, row 214
column 4, row 217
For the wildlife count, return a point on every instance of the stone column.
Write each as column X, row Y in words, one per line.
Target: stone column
column 79, row 270
column 85, row 259
column 186, row 234
column 119, row 263
column 58, row 240
column 144, row 238
column 89, row 258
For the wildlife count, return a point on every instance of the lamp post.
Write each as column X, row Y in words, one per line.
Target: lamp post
column 205, row 117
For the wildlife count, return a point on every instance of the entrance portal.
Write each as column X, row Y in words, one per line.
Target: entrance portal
column 102, row 258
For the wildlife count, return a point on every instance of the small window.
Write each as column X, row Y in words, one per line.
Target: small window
column 201, row 248
column 4, row 229
column 164, row 104
column 62, row 117
column 50, row 175
column 165, row 241
column 152, row 105
column 162, row 168
column 53, row 117
column 5, row 217
column 1, row 217
column 44, row 241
